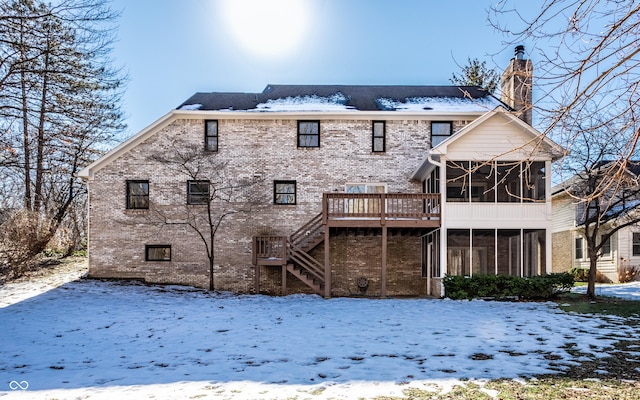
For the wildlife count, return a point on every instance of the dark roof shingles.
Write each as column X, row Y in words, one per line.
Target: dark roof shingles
column 360, row 97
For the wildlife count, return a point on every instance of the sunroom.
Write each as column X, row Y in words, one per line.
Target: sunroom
column 494, row 176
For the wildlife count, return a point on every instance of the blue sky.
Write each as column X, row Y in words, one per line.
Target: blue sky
column 172, row 49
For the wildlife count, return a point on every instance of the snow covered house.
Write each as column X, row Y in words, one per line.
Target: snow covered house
column 350, row 190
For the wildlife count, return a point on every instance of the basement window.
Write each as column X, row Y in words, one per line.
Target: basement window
column 157, row 252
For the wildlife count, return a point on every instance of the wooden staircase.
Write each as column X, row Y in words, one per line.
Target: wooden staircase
column 299, row 263
column 292, row 255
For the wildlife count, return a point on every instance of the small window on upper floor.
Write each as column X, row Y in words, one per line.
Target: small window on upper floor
column 197, row 192
column 211, row 135
column 308, row 133
column 440, row 130
column 157, row 252
column 284, row 192
column 137, row 195
column 378, row 137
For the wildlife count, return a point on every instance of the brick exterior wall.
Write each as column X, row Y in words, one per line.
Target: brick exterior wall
column 259, row 151
column 561, row 251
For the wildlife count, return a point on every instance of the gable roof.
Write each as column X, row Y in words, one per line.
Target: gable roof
column 552, row 148
column 348, row 97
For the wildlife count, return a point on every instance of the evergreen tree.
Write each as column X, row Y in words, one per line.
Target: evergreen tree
column 476, row 73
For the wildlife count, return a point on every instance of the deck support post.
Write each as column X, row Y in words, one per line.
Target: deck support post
column 256, row 284
column 327, row 266
column 383, row 266
column 284, row 279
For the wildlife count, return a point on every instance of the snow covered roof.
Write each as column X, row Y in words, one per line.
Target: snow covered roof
column 292, row 98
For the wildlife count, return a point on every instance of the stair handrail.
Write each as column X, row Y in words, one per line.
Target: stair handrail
column 307, row 262
column 310, row 229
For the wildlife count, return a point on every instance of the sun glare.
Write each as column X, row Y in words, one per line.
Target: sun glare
column 267, row 27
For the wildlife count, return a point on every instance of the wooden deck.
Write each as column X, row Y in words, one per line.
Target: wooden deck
column 343, row 210
column 393, row 210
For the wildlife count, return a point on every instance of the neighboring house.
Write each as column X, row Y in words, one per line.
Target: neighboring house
column 619, row 252
column 376, row 190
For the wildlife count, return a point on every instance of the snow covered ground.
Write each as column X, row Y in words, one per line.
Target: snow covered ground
column 629, row 291
column 104, row 340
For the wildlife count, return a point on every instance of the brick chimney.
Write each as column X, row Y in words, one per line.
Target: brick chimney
column 516, row 84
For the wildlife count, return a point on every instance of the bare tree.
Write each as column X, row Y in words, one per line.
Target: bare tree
column 603, row 183
column 476, row 73
column 587, row 57
column 212, row 195
column 587, row 53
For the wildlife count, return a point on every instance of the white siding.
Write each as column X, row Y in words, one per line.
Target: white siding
column 497, row 215
column 496, row 138
column 563, row 213
column 625, row 245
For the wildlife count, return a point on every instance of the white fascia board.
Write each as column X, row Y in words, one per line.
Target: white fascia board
column 328, row 115
column 87, row 173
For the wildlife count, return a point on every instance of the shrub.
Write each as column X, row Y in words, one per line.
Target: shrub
column 628, row 273
column 582, row 275
column 505, row 286
column 579, row 274
column 22, row 239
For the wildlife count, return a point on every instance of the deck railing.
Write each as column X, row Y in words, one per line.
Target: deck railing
column 381, row 206
column 270, row 248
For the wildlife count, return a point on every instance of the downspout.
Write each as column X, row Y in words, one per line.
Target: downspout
column 429, row 289
column 432, row 161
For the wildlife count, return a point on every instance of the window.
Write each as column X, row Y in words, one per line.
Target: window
column 440, row 131
column 431, row 255
column 534, row 245
column 457, row 181
column 636, row 244
column 157, row 252
column 284, row 192
column 458, row 252
column 533, row 184
column 483, row 182
column 605, row 250
column 308, row 133
column 364, row 204
column 579, row 248
column 137, row 195
column 508, row 188
column 515, row 252
column 378, row 137
column 501, row 181
column 197, row 192
column 211, row 135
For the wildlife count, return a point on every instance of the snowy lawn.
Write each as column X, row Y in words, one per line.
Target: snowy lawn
column 628, row 291
column 103, row 340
